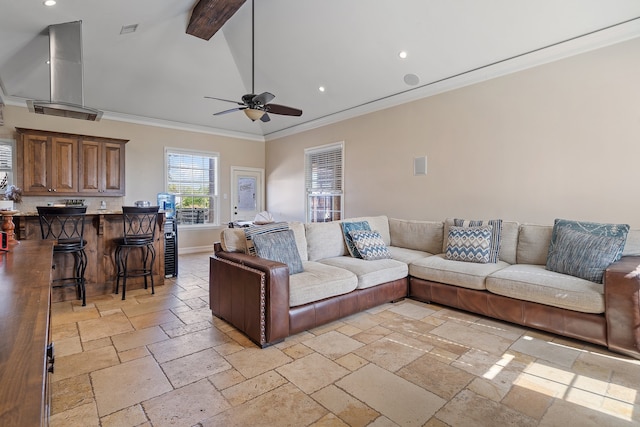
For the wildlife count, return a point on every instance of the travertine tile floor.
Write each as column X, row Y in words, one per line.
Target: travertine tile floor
column 163, row 360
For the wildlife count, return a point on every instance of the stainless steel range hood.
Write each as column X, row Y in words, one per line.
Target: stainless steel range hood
column 66, row 75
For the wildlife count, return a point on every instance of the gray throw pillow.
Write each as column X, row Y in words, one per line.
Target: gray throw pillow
column 583, row 255
column 279, row 246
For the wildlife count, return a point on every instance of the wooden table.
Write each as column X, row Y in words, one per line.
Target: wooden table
column 25, row 304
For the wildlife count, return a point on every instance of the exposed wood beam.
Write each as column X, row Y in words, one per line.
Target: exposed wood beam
column 208, row 16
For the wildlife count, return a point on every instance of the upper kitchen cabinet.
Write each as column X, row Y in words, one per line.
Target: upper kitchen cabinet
column 102, row 166
column 69, row 164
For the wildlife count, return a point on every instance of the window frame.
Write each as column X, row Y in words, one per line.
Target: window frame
column 12, row 169
column 215, row 195
column 338, row 184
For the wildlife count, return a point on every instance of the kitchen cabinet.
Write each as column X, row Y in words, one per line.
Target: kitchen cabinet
column 70, row 164
column 50, row 164
column 102, row 167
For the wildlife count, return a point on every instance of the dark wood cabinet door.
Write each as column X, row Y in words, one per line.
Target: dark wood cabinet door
column 36, row 164
column 64, row 165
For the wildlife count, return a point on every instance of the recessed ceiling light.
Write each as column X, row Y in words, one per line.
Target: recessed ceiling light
column 321, row 89
column 402, row 54
column 49, row 2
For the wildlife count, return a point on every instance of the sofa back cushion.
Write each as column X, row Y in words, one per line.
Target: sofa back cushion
column 233, row 240
column 423, row 236
column 533, row 244
column 632, row 246
column 508, row 239
column 301, row 240
column 324, row 240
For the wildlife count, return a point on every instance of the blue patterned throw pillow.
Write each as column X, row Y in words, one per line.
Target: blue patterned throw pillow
column 351, row 226
column 594, row 228
column 250, row 232
column 495, row 234
column 370, row 244
column 279, row 246
column 469, row 244
column 583, row 255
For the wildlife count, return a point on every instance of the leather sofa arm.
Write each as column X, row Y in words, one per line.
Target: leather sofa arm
column 622, row 305
column 252, row 294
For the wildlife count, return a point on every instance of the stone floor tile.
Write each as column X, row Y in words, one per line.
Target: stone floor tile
column 194, row 367
column 185, row 406
column 312, row 372
column 96, row 344
column 563, row 413
column 329, row 420
column 131, row 416
column 63, row 331
column 452, row 331
column 138, row 338
column 80, row 416
column 396, row 398
column 372, row 334
column 284, row 406
column 157, row 318
column 333, row 344
column 410, row 310
column 226, row 379
column 392, row 352
column 254, row 361
column 346, row 407
column 71, row 393
column 543, row 349
column 253, row 387
column 127, row 384
column 470, row 409
column 186, row 344
column 105, row 326
column 67, row 346
column 351, row 361
column 297, row 351
column 439, row 378
column 134, row 353
column 527, row 401
column 85, row 362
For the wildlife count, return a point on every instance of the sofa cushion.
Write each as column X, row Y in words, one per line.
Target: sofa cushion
column 301, row 239
column 533, row 244
column 464, row 274
column 595, row 228
column 632, row 245
column 369, row 244
column 249, row 232
column 279, row 246
column 508, row 239
column 233, row 240
column 324, row 240
column 536, row 284
column 582, row 254
column 319, row 281
column 425, row 236
column 407, row 255
column 470, row 244
column 370, row 273
column 349, row 226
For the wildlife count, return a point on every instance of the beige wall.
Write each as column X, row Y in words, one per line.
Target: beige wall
column 145, row 158
column 559, row 140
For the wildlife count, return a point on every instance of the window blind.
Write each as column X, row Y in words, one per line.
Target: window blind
column 323, row 169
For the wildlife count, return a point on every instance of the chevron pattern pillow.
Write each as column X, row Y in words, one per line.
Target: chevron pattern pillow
column 370, row 244
column 495, row 234
column 350, row 226
column 469, row 244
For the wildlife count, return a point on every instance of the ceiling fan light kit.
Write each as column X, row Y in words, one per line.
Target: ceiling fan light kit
column 257, row 107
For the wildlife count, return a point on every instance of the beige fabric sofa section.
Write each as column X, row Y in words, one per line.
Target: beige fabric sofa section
column 319, row 281
column 370, row 273
column 424, row 236
column 536, row 284
column 464, row 274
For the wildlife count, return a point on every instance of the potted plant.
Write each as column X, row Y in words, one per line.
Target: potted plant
column 11, row 194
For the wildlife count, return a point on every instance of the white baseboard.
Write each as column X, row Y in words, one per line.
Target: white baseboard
column 195, row 250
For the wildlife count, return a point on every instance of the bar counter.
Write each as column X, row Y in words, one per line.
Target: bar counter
column 25, row 276
column 101, row 229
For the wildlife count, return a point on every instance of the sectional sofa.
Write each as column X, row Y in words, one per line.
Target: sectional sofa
column 420, row 260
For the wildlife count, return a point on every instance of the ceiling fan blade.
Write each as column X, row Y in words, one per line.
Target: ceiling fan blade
column 225, row 100
column 263, row 99
column 265, row 118
column 283, row 110
column 229, row 111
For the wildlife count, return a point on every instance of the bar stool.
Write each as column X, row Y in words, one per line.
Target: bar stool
column 139, row 233
column 66, row 226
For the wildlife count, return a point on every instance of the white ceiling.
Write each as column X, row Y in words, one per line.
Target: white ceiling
column 160, row 74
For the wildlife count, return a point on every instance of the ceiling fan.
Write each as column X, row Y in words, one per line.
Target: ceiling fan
column 257, row 107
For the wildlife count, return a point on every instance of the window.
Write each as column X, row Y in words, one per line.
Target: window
column 6, row 164
column 192, row 177
column 323, row 171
